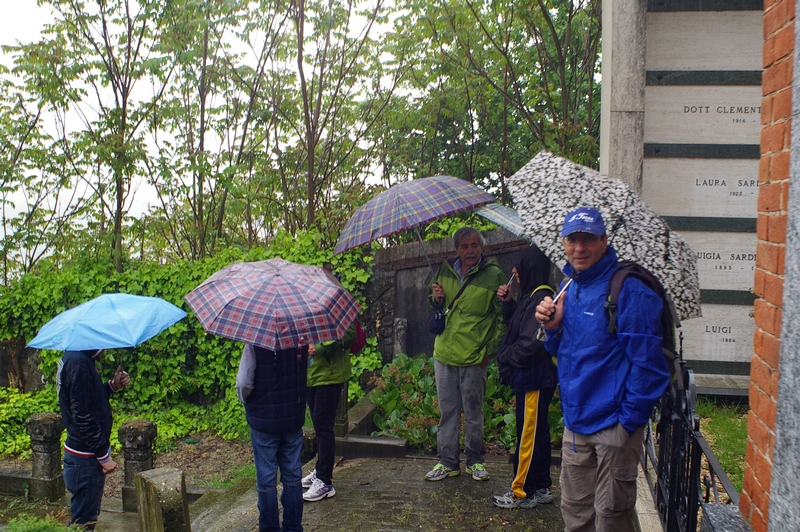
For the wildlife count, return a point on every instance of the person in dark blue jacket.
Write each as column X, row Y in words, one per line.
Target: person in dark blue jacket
column 272, row 385
column 528, row 368
column 609, row 382
column 86, row 412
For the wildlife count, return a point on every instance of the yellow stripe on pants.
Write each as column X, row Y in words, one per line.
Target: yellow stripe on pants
column 526, row 442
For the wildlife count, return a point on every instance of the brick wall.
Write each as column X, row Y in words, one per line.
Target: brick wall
column 773, row 175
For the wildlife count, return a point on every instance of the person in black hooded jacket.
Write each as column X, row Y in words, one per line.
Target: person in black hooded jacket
column 529, row 370
column 86, row 411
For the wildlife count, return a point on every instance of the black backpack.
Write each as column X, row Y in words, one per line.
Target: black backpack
column 669, row 316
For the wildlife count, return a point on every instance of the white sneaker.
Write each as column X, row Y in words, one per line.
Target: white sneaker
column 309, row 479
column 318, row 491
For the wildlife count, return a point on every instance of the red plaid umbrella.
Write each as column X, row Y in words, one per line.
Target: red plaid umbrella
column 275, row 304
column 408, row 205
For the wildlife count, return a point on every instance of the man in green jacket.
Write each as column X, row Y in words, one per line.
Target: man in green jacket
column 472, row 335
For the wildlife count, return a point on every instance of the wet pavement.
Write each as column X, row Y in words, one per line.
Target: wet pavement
column 375, row 494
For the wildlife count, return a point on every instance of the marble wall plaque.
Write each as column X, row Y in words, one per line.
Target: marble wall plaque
column 701, row 187
column 725, row 261
column 697, row 40
column 723, row 334
column 702, row 114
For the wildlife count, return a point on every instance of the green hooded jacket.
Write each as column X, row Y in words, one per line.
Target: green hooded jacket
column 331, row 364
column 474, row 326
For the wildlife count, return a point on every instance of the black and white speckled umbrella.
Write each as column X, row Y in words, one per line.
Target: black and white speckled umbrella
column 548, row 187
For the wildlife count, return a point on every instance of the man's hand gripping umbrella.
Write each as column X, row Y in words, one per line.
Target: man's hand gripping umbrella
column 546, row 311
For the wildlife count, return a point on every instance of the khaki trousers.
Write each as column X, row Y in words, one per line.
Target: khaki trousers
column 598, row 479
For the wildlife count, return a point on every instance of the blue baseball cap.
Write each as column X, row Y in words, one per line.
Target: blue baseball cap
column 584, row 220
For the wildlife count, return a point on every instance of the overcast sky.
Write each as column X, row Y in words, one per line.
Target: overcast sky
column 21, row 21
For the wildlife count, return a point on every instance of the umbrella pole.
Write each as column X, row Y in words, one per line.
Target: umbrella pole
column 422, row 245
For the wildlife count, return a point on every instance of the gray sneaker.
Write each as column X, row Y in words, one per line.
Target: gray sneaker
column 441, row 472
column 542, row 496
column 478, row 472
column 318, row 491
column 509, row 500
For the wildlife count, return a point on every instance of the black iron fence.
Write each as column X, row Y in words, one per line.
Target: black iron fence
column 673, row 464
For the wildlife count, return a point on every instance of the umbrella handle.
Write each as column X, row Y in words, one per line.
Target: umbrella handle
column 541, row 334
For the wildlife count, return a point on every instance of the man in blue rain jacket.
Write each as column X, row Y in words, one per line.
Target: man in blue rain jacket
column 609, row 381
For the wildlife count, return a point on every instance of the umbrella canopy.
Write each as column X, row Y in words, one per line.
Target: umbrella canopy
column 409, row 205
column 274, row 304
column 107, row 322
column 505, row 217
column 548, row 187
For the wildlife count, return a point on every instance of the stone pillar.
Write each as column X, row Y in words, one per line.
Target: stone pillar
column 46, row 479
column 137, row 438
column 341, row 426
column 622, row 91
column 162, row 502
column 400, row 336
column 784, row 497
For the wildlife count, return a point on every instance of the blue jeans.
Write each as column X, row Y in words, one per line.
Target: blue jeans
column 273, row 451
column 84, row 479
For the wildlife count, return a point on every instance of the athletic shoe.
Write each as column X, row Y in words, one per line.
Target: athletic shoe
column 478, row 472
column 542, row 496
column 509, row 500
column 318, row 491
column 309, row 479
column 441, row 472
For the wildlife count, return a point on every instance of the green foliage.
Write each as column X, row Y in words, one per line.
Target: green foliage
column 183, row 379
column 407, row 406
column 368, row 359
column 445, row 228
column 29, row 523
column 15, row 409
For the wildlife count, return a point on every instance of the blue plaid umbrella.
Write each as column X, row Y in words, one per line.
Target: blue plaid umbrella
column 274, row 304
column 106, row 322
column 409, row 205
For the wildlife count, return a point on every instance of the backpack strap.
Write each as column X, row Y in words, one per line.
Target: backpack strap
column 614, row 288
column 612, row 300
column 542, row 287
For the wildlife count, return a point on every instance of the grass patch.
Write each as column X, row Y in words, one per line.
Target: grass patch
column 245, row 471
column 724, row 426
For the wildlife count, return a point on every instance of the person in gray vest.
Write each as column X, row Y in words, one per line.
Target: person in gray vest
column 272, row 385
column 610, row 381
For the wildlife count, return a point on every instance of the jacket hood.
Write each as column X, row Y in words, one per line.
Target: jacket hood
column 533, row 267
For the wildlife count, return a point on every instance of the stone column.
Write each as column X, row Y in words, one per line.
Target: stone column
column 163, row 505
column 622, row 90
column 46, row 479
column 400, row 336
column 785, row 493
column 137, row 438
column 341, row 426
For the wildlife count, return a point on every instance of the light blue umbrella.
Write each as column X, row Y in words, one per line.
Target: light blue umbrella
column 505, row 217
column 107, row 322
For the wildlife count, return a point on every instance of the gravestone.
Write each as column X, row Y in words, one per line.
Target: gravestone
column 696, row 80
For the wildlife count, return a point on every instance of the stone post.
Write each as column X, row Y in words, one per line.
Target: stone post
column 163, row 505
column 400, row 336
column 46, row 479
column 341, row 426
column 137, row 438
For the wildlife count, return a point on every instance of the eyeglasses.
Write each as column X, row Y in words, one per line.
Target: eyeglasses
column 587, row 239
